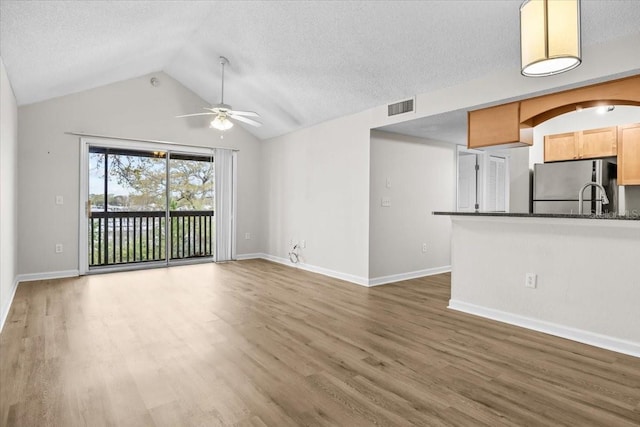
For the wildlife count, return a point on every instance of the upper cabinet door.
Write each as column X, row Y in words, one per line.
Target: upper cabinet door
column 629, row 154
column 494, row 126
column 563, row 146
column 598, row 143
column 587, row 144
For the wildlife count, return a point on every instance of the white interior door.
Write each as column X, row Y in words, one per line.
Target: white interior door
column 468, row 177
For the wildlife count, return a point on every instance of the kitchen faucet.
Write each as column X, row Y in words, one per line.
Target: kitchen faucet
column 605, row 199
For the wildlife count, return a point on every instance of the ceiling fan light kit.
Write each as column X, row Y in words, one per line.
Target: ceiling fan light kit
column 224, row 113
column 549, row 37
column 221, row 123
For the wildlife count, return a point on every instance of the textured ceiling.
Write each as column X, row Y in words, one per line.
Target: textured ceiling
column 296, row 63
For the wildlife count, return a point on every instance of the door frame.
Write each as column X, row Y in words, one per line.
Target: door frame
column 83, row 223
column 483, row 158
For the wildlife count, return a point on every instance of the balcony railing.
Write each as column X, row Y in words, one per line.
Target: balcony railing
column 140, row 236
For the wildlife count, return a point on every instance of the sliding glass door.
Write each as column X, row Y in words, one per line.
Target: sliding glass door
column 127, row 201
column 147, row 207
column 191, row 206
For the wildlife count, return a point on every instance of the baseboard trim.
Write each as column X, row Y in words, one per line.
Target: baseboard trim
column 48, row 275
column 383, row 280
column 5, row 310
column 242, row 257
column 362, row 281
column 314, row 269
column 591, row 338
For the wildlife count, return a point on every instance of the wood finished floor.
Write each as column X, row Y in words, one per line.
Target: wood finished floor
column 254, row 343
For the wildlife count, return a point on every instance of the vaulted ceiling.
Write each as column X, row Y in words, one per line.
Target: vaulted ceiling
column 296, row 63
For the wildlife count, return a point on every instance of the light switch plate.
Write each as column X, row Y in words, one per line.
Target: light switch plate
column 385, row 202
column 59, row 200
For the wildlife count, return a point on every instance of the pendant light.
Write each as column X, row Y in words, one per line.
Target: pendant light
column 549, row 36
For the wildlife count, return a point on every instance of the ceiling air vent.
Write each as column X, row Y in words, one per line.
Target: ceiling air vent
column 400, row 107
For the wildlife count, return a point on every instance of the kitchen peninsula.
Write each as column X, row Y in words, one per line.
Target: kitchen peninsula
column 574, row 276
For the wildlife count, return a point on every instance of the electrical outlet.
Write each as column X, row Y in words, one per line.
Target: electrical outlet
column 303, row 244
column 424, row 248
column 247, row 236
column 58, row 248
column 530, row 280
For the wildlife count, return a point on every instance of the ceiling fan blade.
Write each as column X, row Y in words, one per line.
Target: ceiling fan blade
column 196, row 114
column 244, row 113
column 214, row 110
column 245, row 120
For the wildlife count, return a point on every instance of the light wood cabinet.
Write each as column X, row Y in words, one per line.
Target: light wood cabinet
column 497, row 125
column 563, row 146
column 587, row 144
column 629, row 154
column 512, row 124
column 598, row 143
column 624, row 91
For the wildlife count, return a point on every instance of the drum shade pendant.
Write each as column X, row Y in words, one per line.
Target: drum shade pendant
column 549, row 36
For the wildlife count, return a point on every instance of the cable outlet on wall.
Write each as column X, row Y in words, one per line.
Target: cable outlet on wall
column 58, row 248
column 424, row 248
column 530, row 280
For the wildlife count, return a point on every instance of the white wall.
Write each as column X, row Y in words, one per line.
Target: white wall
column 519, row 180
column 49, row 159
column 8, row 193
column 422, row 179
column 316, row 188
column 588, row 276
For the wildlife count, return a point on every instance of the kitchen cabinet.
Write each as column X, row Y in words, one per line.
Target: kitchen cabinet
column 629, row 154
column 595, row 143
column 497, row 125
column 563, row 146
column 587, row 144
column 624, row 91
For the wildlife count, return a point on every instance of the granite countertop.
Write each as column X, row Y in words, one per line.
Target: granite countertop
column 608, row 216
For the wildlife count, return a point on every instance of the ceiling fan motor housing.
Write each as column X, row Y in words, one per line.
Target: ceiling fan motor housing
column 222, row 106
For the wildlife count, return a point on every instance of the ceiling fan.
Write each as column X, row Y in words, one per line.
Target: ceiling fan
column 223, row 112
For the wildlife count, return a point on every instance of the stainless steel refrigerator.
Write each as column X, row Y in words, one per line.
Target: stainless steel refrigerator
column 556, row 186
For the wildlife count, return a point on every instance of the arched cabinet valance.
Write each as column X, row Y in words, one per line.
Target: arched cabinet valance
column 512, row 123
